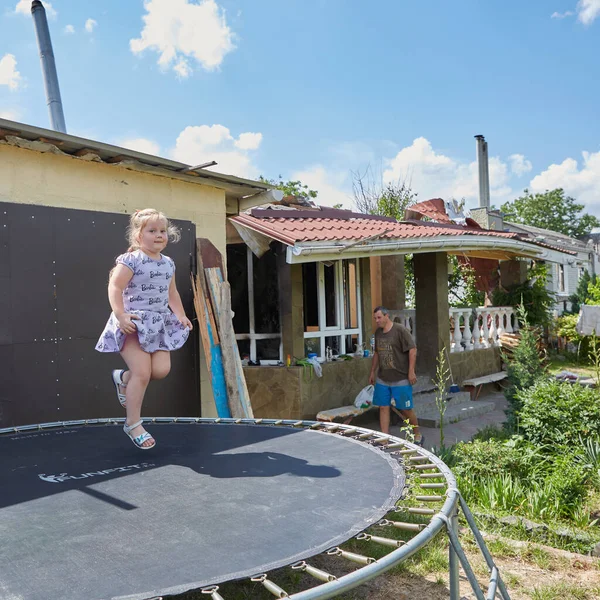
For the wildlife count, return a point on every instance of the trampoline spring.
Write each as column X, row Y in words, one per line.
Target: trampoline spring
column 313, row 571
column 366, row 436
column 381, row 440
column 430, row 498
column 213, row 590
column 238, row 421
column 270, row 586
column 432, row 476
column 401, row 452
column 420, row 511
column 352, row 556
column 404, row 526
column 350, row 431
column 417, row 458
column 278, row 422
column 317, row 425
column 424, row 467
column 298, row 424
column 332, row 428
column 258, row 421
column 433, row 486
column 380, row 540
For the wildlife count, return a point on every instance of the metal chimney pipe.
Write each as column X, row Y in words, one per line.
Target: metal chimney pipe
column 55, row 108
column 484, row 173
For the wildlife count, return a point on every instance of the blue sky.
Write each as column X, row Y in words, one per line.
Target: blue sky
column 318, row 89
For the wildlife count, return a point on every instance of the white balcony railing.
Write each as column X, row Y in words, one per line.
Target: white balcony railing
column 470, row 328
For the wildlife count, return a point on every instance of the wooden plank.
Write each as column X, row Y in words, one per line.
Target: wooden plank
column 228, row 344
column 212, row 349
column 205, row 292
column 211, row 257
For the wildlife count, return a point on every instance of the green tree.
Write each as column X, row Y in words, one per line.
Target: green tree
column 582, row 293
column 291, row 188
column 551, row 210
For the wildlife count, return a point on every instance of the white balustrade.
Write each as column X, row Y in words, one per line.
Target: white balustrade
column 475, row 329
column 470, row 329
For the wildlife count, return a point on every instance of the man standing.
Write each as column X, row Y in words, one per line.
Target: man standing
column 393, row 371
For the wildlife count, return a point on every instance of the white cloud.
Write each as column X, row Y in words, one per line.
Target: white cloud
column 581, row 182
column 141, row 145
column 183, row 29
column 90, row 25
column 588, row 11
column 435, row 175
column 8, row 72
column 248, row 141
column 334, row 187
column 23, row 7
column 9, row 114
column 557, row 15
column 203, row 143
column 519, row 165
column 69, row 29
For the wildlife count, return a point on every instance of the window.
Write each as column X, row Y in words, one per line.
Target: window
column 560, row 272
column 255, row 303
column 331, row 307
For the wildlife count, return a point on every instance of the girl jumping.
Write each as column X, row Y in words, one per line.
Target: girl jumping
column 147, row 320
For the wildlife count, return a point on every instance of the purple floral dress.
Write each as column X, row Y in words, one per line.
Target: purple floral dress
column 146, row 295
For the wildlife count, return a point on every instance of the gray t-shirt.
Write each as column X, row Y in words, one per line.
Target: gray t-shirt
column 392, row 350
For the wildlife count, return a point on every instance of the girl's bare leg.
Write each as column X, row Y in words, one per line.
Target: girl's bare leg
column 137, row 379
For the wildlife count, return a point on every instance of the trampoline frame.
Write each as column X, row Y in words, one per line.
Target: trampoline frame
column 413, row 458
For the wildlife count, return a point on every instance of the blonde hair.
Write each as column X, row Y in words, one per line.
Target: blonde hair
column 139, row 219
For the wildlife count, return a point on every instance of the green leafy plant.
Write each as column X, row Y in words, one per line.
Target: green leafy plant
column 533, row 295
column 441, row 379
column 556, row 413
column 524, row 366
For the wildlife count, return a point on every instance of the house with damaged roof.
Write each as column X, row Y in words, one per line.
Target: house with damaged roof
column 305, row 279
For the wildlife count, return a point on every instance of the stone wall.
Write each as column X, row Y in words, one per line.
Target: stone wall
column 295, row 393
column 476, row 363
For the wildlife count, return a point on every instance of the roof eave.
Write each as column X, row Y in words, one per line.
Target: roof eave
column 70, row 144
column 302, row 252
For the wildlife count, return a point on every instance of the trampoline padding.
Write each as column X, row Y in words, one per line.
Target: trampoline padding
column 84, row 514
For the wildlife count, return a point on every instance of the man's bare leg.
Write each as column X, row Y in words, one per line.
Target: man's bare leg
column 384, row 419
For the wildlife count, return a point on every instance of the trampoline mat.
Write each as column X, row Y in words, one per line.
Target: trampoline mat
column 85, row 514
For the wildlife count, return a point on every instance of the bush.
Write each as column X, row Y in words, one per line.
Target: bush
column 565, row 328
column 487, row 458
column 556, row 413
column 524, row 367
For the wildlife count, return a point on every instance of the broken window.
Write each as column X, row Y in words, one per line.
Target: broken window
column 255, row 302
column 331, row 307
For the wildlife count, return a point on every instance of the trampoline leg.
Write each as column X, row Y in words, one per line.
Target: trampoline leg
column 453, row 560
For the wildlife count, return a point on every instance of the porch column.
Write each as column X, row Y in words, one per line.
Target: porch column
column 291, row 307
column 392, row 282
column 431, row 303
column 366, row 303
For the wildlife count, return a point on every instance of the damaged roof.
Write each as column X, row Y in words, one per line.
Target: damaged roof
column 321, row 231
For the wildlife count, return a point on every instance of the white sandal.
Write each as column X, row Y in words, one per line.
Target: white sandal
column 117, row 379
column 140, row 439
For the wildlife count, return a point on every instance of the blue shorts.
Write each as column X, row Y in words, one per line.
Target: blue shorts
column 401, row 394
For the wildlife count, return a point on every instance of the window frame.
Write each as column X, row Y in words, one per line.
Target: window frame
column 252, row 336
column 339, row 330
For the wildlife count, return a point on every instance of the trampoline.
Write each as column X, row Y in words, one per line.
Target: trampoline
column 84, row 514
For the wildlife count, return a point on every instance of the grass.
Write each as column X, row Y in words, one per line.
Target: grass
column 570, row 363
column 565, row 591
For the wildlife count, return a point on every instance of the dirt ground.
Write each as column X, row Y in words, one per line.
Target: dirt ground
column 534, row 573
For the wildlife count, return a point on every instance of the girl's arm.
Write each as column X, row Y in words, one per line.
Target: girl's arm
column 177, row 306
column 119, row 278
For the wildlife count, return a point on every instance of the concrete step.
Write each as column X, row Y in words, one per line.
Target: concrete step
column 455, row 413
column 426, row 402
